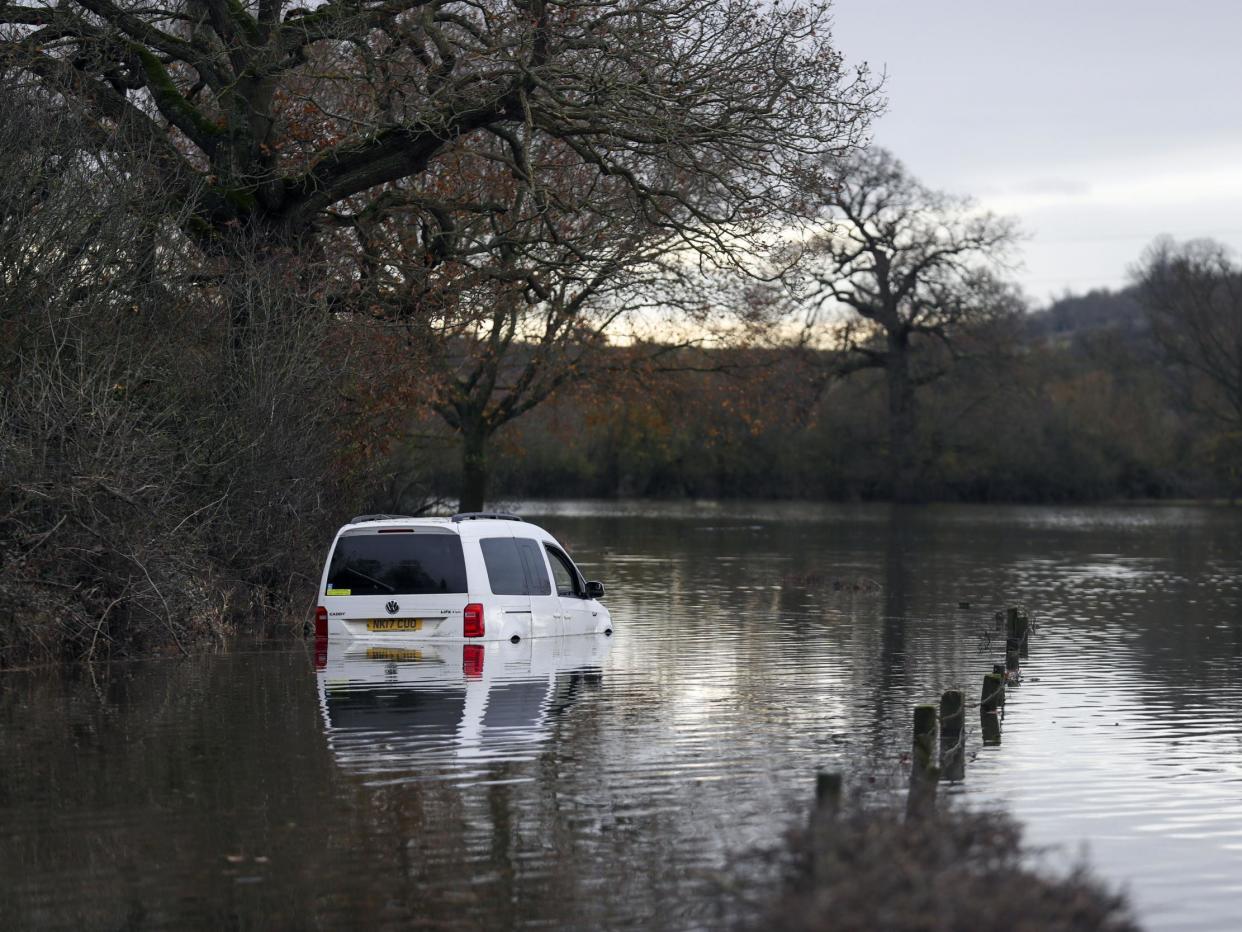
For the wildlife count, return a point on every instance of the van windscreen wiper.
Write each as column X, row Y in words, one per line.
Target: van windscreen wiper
column 349, row 569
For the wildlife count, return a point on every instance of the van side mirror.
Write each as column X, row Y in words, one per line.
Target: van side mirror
column 594, row 590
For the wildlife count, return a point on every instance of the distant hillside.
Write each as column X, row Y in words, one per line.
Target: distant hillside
column 1073, row 317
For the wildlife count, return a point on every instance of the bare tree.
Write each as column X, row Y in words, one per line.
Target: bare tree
column 899, row 276
column 1192, row 295
column 526, row 293
column 706, row 110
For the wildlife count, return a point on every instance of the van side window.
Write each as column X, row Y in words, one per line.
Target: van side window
column 567, row 580
column 505, row 572
column 514, row 566
column 536, row 569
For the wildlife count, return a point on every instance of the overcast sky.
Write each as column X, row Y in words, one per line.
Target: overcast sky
column 1098, row 123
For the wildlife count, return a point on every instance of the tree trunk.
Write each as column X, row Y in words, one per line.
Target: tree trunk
column 902, row 420
column 473, row 468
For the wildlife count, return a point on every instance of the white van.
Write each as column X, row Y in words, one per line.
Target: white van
column 473, row 577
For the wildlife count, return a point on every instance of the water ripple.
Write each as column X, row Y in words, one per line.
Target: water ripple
column 618, row 782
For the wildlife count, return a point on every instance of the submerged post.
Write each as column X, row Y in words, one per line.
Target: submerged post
column 823, row 819
column 1018, row 625
column 828, row 793
column 952, row 714
column 952, row 735
column 924, row 735
column 1012, row 659
column 1000, row 670
column 990, row 725
column 924, row 774
column 993, row 696
column 1023, row 633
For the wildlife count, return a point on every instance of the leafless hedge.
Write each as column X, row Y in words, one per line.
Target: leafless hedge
column 160, row 464
column 871, row 868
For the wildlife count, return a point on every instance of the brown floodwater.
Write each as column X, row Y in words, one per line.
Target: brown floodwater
column 636, row 781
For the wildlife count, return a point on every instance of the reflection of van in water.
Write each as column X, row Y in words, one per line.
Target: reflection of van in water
column 390, row 709
column 488, row 577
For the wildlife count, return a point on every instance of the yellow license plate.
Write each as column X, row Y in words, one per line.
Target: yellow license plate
column 394, row 624
column 393, row 653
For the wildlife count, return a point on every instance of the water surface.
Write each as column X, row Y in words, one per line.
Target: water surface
column 626, row 782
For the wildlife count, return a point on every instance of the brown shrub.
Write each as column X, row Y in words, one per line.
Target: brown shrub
column 163, row 468
column 958, row 870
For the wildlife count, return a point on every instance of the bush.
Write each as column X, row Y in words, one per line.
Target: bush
column 162, row 458
column 956, row 870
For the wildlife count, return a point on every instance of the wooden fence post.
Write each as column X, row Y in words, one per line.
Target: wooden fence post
column 823, row 817
column 1011, row 620
column 990, row 725
column 953, row 735
column 1018, row 625
column 924, row 773
column 1012, row 659
column 828, row 793
column 993, row 696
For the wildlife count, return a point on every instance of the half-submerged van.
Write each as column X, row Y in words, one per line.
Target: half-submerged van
column 472, row 577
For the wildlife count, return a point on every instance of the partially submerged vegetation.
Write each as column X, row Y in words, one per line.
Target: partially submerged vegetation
column 162, row 473
column 872, row 868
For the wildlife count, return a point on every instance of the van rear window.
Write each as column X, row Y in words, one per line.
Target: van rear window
column 398, row 564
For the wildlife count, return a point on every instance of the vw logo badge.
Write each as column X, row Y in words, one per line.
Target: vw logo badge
column 393, row 608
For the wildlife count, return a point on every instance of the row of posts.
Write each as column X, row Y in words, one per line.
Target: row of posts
column 934, row 760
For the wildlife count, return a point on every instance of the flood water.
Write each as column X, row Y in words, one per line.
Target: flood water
column 628, row 782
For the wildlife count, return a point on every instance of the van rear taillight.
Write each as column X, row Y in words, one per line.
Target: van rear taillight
column 472, row 620
column 472, row 661
column 321, row 622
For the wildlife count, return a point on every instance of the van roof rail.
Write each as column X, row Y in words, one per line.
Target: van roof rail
column 360, row 519
column 485, row 516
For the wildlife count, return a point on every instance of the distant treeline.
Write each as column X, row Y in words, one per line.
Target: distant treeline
column 1077, row 408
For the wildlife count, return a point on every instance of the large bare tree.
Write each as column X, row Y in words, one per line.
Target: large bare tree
column 901, row 273
column 1192, row 294
column 529, row 294
column 274, row 113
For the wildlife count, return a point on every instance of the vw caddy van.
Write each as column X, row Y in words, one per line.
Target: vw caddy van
column 470, row 578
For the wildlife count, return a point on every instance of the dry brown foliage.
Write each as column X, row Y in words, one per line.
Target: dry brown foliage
column 959, row 870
